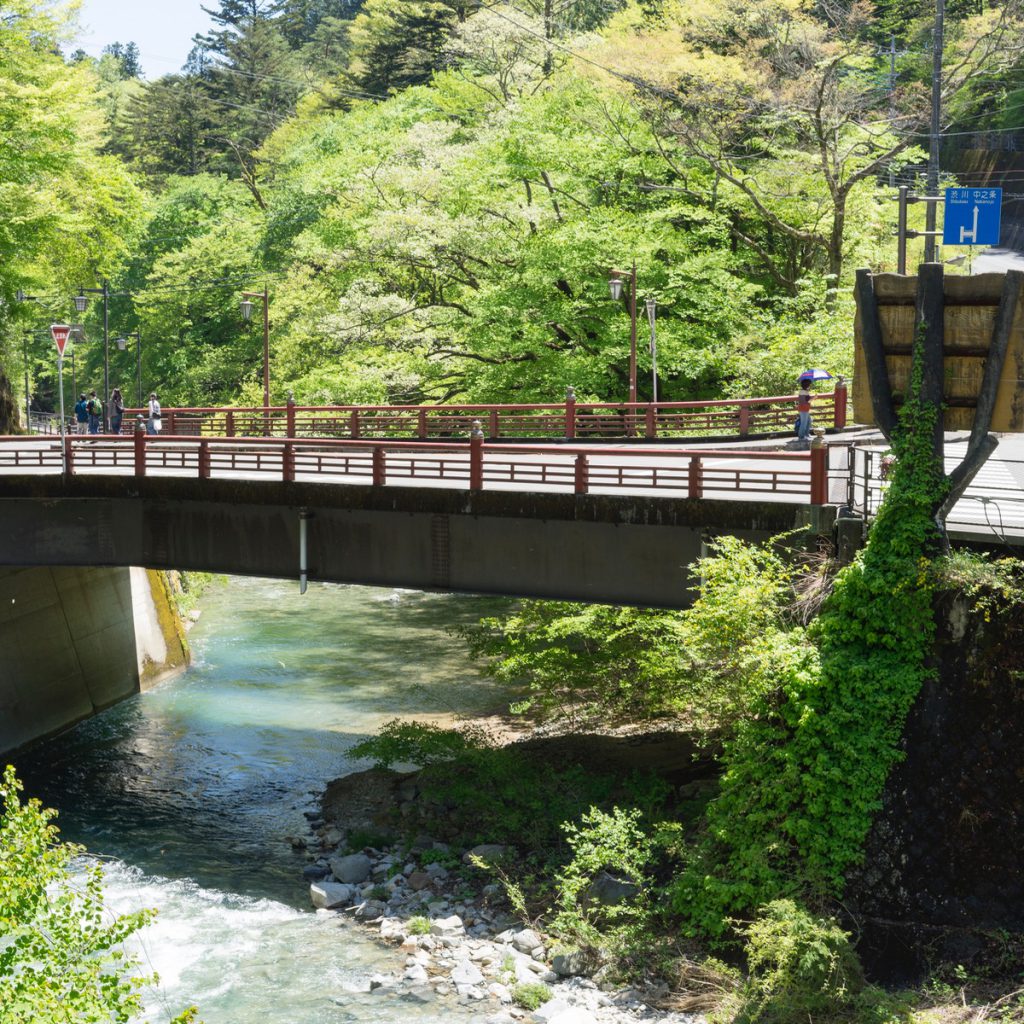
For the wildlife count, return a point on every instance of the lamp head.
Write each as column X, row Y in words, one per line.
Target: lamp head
column 615, row 287
column 81, row 302
column 122, row 344
column 246, row 310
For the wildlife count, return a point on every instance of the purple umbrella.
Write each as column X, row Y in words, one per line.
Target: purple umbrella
column 815, row 375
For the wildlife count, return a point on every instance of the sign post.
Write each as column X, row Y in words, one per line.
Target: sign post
column 60, row 334
column 972, row 216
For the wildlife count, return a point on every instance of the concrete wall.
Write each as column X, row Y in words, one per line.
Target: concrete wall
column 76, row 640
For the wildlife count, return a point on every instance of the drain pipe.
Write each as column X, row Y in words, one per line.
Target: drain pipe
column 304, row 517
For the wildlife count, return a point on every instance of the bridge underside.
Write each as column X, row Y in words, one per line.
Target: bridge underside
column 615, row 549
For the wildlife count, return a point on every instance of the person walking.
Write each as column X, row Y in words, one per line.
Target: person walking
column 81, row 414
column 803, row 409
column 95, row 409
column 153, row 423
column 116, row 411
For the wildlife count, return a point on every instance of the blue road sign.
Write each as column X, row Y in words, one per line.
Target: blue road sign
column 972, row 216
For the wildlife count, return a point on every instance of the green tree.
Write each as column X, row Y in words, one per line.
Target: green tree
column 63, row 955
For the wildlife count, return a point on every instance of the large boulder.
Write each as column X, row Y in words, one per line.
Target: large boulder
column 609, row 891
column 353, row 869
column 328, row 895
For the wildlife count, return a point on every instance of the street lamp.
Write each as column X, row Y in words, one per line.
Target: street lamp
column 247, row 316
column 122, row 344
column 615, row 285
column 652, row 306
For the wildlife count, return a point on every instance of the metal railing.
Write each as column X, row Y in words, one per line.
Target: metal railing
column 476, row 465
column 993, row 505
column 572, row 420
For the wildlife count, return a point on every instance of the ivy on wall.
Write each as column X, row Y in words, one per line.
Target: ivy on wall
column 805, row 773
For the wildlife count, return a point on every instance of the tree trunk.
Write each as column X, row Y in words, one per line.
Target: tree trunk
column 8, row 407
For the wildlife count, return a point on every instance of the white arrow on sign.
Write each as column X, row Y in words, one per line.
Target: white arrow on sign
column 973, row 233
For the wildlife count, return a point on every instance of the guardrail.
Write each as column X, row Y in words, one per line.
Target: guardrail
column 570, row 419
column 475, row 465
column 992, row 505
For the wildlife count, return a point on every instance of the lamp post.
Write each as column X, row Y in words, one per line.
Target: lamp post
column 615, row 288
column 122, row 344
column 652, row 306
column 81, row 302
column 247, row 316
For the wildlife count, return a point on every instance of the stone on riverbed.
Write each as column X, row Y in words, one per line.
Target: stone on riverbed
column 447, row 927
column 527, row 940
column 370, row 910
column 485, row 851
column 353, row 869
column 466, row 973
column 328, row 895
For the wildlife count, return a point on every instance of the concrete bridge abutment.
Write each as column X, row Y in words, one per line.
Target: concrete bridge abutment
column 75, row 640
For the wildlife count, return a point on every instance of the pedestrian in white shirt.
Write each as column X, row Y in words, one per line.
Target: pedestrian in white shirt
column 153, row 423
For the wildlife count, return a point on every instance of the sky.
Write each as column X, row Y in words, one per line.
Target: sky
column 163, row 29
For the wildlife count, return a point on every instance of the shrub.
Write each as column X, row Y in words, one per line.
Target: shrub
column 530, row 995
column 800, row 966
column 419, row 925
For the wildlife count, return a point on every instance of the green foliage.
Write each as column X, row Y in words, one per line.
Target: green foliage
column 472, row 792
column 416, row 743
column 612, row 842
column 800, row 967
column 530, row 995
column 63, row 955
column 419, row 925
column 804, row 772
column 578, row 662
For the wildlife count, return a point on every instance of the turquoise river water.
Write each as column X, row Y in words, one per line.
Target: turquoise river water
column 189, row 791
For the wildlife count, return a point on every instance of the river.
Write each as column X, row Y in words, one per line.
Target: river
column 189, row 791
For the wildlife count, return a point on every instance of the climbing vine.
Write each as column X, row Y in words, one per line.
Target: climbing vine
column 805, row 773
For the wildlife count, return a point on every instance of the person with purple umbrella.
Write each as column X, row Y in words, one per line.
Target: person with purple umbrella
column 803, row 401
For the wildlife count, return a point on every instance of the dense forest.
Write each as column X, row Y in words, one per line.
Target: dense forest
column 434, row 191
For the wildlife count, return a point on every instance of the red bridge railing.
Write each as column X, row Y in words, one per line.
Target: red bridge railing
column 570, row 419
column 476, row 465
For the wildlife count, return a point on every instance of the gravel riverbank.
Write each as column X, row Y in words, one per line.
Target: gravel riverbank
column 451, row 930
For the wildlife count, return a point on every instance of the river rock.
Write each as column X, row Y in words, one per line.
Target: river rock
column 610, row 891
column 571, row 965
column 500, row 992
column 353, row 869
column 466, row 973
column 417, row 974
column 485, row 851
column 418, row 880
column 370, row 910
column 392, row 929
column 447, row 927
column 549, row 1011
column 527, row 940
column 574, row 1015
column 314, row 872
column 328, row 895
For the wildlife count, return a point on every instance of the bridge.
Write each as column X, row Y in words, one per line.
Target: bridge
column 400, row 496
column 249, row 491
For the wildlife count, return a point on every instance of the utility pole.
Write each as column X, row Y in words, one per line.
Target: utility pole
column 933, row 152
